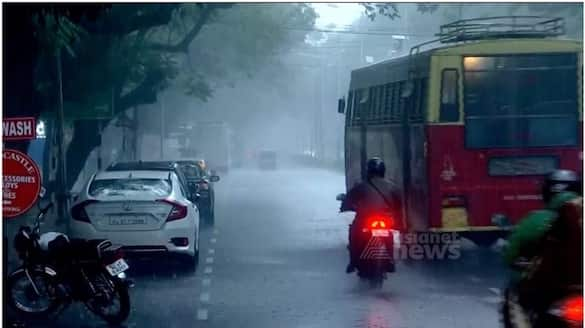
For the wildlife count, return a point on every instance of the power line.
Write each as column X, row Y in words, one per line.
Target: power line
column 354, row 32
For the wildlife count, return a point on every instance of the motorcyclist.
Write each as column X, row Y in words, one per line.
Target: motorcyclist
column 548, row 235
column 559, row 187
column 375, row 195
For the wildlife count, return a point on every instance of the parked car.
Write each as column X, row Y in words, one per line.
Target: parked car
column 267, row 160
column 147, row 211
column 201, row 182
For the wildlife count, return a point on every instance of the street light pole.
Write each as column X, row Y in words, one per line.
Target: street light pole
column 62, row 171
column 162, row 127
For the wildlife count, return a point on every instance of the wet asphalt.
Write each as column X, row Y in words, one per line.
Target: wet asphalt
column 276, row 258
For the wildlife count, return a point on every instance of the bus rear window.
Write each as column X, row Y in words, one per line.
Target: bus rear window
column 527, row 165
column 530, row 100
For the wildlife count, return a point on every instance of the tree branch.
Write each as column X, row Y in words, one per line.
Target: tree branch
column 145, row 93
column 117, row 22
column 183, row 45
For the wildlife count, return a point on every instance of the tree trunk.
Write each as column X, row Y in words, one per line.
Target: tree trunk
column 85, row 138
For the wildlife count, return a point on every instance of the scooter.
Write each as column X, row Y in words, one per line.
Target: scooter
column 375, row 242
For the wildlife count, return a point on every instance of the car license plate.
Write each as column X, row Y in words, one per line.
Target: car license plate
column 127, row 221
column 380, row 233
column 117, row 267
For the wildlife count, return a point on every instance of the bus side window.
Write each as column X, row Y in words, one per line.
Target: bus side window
column 387, row 102
column 395, row 102
column 373, row 104
column 382, row 102
column 361, row 105
column 349, row 110
column 449, row 111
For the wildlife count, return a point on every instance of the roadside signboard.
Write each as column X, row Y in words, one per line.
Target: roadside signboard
column 21, row 183
column 19, row 128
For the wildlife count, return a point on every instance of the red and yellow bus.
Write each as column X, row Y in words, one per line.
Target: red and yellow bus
column 469, row 129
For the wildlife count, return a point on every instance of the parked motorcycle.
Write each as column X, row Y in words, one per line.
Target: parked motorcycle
column 57, row 271
column 375, row 244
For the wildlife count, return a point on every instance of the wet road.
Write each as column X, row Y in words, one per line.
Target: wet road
column 276, row 258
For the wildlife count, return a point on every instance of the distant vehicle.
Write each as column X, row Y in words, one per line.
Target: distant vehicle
column 267, row 160
column 145, row 211
column 201, row 182
column 464, row 129
column 210, row 141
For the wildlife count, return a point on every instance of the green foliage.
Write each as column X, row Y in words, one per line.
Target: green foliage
column 132, row 52
column 55, row 32
column 390, row 10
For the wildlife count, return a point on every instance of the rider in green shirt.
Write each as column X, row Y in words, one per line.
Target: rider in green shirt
column 558, row 188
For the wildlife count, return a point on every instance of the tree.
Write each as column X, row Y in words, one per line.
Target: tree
column 129, row 53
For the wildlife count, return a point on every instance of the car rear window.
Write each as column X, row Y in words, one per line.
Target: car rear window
column 191, row 171
column 123, row 187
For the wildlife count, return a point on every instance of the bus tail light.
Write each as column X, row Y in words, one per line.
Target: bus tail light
column 454, row 201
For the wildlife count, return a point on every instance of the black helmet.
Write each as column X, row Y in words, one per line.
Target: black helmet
column 376, row 168
column 560, row 181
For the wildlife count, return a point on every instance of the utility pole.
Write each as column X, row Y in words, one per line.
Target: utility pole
column 162, row 127
column 62, row 171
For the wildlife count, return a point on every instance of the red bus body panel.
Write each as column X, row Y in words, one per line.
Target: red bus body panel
column 453, row 170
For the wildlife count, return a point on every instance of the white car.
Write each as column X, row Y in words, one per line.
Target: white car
column 145, row 211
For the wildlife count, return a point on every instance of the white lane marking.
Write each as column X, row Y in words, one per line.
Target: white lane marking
column 208, row 270
column 206, row 282
column 496, row 291
column 213, row 240
column 204, row 297
column 211, row 251
column 474, row 279
column 202, row 314
column 209, row 260
column 492, row 299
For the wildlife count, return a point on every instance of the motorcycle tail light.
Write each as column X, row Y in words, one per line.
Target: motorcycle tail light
column 570, row 310
column 381, row 222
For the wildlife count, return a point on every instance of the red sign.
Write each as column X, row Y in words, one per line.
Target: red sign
column 19, row 128
column 21, row 183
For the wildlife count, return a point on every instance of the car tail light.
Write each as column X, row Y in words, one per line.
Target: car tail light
column 78, row 211
column 180, row 242
column 570, row 310
column 204, row 186
column 177, row 212
column 453, row 201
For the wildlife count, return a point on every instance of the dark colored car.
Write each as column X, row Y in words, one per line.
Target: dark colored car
column 267, row 160
column 201, row 182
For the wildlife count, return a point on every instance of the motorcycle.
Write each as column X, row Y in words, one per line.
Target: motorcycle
column 57, row 271
column 566, row 312
column 550, row 291
column 375, row 242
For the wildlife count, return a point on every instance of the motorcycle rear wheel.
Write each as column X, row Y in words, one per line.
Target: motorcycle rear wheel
column 116, row 290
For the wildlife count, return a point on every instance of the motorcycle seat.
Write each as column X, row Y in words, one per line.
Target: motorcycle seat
column 89, row 249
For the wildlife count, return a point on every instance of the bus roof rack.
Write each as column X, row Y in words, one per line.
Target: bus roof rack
column 501, row 27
